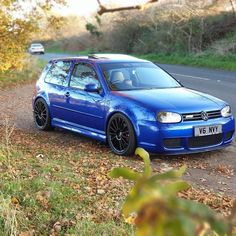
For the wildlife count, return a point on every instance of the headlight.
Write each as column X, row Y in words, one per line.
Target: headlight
column 226, row 111
column 169, row 117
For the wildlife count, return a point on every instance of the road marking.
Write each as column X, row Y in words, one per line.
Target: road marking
column 190, row 76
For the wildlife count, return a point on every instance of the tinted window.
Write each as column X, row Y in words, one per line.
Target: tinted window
column 82, row 75
column 136, row 75
column 58, row 73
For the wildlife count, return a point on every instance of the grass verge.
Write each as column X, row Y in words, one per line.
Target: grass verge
column 57, row 184
column 60, row 51
column 226, row 62
column 207, row 60
column 30, row 72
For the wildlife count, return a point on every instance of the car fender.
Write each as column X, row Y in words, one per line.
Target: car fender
column 134, row 112
column 45, row 97
column 129, row 115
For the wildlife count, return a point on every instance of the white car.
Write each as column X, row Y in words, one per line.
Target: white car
column 36, row 48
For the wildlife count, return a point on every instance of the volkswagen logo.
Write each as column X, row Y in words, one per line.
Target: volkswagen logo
column 204, row 115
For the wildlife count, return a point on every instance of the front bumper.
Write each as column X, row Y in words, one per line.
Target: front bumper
column 179, row 138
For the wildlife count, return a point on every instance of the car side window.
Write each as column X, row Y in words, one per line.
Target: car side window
column 58, row 73
column 82, row 75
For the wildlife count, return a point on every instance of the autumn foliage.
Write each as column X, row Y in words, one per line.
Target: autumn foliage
column 19, row 20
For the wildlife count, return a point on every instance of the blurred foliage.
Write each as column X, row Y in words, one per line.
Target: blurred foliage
column 93, row 28
column 188, row 28
column 154, row 207
column 185, row 31
column 32, row 67
column 19, row 20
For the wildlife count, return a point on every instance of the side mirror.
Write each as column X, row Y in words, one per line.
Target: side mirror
column 92, row 88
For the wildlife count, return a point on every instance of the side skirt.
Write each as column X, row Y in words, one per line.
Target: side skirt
column 93, row 133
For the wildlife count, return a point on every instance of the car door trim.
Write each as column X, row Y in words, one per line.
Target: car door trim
column 80, row 112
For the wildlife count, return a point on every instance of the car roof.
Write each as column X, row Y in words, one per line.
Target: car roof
column 102, row 58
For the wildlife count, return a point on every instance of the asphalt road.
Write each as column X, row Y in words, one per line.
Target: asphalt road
column 219, row 83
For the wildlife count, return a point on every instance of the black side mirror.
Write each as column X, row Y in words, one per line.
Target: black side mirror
column 91, row 88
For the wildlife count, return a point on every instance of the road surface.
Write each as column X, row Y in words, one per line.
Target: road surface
column 219, row 83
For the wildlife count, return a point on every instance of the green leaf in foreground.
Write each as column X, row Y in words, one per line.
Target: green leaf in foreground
column 158, row 209
column 126, row 173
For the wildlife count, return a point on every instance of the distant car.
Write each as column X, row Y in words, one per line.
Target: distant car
column 129, row 103
column 36, row 48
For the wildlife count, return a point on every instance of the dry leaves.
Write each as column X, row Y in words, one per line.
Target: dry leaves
column 82, row 166
column 225, row 170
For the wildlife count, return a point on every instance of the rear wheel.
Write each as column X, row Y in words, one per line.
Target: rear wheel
column 41, row 114
column 120, row 135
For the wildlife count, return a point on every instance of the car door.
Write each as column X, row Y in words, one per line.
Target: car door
column 57, row 82
column 86, row 109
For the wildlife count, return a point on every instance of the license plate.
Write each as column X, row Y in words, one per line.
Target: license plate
column 207, row 130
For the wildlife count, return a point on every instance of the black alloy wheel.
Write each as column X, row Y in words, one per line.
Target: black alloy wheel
column 120, row 135
column 42, row 117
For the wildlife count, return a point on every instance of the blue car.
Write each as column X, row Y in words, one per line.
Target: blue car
column 129, row 103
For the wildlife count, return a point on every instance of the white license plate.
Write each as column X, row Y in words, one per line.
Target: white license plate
column 207, row 130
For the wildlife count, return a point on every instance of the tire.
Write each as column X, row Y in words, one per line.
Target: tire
column 42, row 118
column 120, row 135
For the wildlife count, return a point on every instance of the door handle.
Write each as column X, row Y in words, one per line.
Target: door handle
column 67, row 94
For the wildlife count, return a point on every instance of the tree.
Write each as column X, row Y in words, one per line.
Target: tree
column 18, row 21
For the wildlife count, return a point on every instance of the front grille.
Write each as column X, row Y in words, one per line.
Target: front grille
column 198, row 115
column 205, row 141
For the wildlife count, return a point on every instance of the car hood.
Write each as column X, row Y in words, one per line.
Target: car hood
column 180, row 100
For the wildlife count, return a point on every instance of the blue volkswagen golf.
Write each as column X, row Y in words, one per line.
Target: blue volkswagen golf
column 129, row 103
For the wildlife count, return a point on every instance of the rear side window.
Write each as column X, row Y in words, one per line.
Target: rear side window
column 83, row 74
column 58, row 73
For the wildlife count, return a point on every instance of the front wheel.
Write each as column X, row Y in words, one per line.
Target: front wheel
column 120, row 135
column 41, row 114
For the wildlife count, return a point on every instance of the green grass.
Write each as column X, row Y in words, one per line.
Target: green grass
column 61, row 51
column 54, row 189
column 30, row 72
column 205, row 60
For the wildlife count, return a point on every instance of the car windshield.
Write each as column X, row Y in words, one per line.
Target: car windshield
column 36, row 45
column 136, row 76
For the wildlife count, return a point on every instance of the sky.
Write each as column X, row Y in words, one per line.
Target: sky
column 87, row 7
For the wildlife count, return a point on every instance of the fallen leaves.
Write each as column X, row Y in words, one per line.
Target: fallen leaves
column 27, row 233
column 220, row 203
column 42, row 198
column 81, row 166
column 15, row 201
column 56, row 229
column 225, row 170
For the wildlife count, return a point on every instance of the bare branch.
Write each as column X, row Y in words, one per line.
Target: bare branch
column 233, row 9
column 103, row 9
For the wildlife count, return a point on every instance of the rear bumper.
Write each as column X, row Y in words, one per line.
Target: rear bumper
column 36, row 50
column 179, row 138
